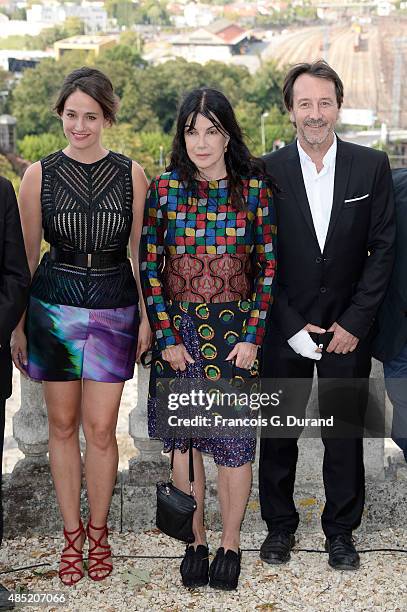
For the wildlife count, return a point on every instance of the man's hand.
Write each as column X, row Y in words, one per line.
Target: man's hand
column 314, row 329
column 303, row 344
column 177, row 356
column 343, row 342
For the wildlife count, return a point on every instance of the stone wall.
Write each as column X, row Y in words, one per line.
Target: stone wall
column 30, row 504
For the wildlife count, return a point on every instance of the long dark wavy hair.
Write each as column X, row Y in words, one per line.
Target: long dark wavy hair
column 240, row 163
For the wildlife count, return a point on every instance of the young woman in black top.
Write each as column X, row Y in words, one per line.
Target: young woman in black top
column 83, row 330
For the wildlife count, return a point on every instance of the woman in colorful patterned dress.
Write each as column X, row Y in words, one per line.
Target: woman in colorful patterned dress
column 83, row 326
column 211, row 217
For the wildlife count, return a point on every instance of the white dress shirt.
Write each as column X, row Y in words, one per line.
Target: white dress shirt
column 320, row 189
column 320, row 192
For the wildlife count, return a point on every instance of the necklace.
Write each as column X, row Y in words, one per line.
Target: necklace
column 205, row 177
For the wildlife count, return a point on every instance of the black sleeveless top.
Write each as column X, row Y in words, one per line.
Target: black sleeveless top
column 86, row 208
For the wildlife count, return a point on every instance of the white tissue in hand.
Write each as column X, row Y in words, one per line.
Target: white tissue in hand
column 303, row 344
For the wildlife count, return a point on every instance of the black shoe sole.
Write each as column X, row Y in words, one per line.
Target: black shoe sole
column 194, row 584
column 221, row 586
column 344, row 567
column 275, row 561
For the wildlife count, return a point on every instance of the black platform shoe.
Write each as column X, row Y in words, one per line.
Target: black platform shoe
column 225, row 569
column 195, row 566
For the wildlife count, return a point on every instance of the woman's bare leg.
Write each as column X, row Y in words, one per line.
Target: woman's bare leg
column 100, row 407
column 234, row 484
column 63, row 401
column 181, row 481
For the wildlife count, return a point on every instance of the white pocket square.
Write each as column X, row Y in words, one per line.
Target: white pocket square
column 358, row 198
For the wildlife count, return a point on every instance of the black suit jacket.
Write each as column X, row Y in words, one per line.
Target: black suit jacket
column 392, row 315
column 15, row 279
column 347, row 281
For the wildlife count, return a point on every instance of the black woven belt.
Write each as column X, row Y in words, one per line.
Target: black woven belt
column 100, row 259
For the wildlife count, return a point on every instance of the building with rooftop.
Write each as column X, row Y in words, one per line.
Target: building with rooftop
column 19, row 27
column 92, row 14
column 220, row 41
column 15, row 61
column 84, row 43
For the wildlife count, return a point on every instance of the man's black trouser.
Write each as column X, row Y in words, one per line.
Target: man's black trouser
column 2, row 422
column 343, row 468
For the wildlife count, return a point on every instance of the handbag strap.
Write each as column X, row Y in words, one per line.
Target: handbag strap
column 190, row 460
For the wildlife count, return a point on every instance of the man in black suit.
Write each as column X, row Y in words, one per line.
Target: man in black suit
column 335, row 252
column 15, row 280
column 390, row 344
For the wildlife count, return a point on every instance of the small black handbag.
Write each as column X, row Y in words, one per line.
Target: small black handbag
column 175, row 508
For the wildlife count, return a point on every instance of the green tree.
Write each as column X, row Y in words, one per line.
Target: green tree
column 248, row 115
column 6, row 170
column 277, row 126
column 14, row 42
column 231, row 80
column 71, row 27
column 33, row 97
column 143, row 147
column 127, row 13
column 132, row 39
column 155, row 148
column 153, row 12
column 122, row 10
column 34, row 147
column 4, row 79
column 156, row 91
column 18, row 13
column 135, row 109
column 118, row 63
column 264, row 88
column 125, row 54
column 122, row 139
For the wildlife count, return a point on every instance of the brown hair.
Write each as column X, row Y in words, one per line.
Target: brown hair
column 95, row 84
column 320, row 69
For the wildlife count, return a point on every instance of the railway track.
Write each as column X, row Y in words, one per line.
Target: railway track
column 360, row 71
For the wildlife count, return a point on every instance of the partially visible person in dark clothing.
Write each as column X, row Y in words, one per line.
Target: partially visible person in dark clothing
column 390, row 345
column 14, row 284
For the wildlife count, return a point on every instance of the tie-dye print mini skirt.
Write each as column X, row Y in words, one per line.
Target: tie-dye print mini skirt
column 70, row 343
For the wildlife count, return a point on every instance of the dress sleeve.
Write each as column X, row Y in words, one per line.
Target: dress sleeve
column 264, row 251
column 151, row 263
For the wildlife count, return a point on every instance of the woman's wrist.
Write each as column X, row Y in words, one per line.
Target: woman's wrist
column 18, row 330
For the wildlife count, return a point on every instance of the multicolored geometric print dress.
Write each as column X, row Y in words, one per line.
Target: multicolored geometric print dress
column 82, row 322
column 207, row 271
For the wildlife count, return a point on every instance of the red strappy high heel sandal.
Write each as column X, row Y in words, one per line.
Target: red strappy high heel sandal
column 72, row 558
column 100, row 556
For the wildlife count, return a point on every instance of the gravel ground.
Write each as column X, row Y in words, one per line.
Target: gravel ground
column 307, row 583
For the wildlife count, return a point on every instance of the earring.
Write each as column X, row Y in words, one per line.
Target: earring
column 225, row 148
